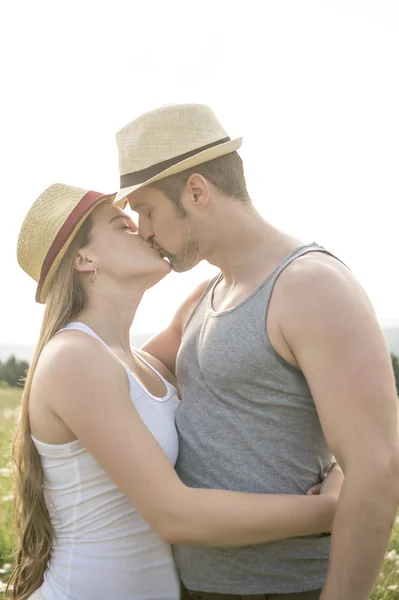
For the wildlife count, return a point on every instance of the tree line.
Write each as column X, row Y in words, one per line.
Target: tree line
column 395, row 365
column 13, row 371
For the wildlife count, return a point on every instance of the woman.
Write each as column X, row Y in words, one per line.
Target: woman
column 97, row 500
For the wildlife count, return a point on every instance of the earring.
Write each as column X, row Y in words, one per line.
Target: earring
column 93, row 274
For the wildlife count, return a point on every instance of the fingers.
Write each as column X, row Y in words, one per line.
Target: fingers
column 314, row 490
column 329, row 467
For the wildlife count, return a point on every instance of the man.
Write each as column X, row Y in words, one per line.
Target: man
column 280, row 362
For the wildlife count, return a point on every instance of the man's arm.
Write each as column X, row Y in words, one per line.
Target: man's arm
column 165, row 345
column 331, row 329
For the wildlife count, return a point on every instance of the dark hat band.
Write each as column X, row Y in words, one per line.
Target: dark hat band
column 82, row 208
column 143, row 175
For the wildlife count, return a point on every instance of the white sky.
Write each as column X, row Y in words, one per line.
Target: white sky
column 312, row 85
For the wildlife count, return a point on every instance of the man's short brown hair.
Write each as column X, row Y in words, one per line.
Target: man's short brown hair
column 226, row 173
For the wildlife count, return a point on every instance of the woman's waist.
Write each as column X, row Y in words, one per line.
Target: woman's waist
column 112, row 572
column 123, row 551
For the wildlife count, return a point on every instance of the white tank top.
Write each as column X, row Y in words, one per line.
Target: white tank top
column 103, row 548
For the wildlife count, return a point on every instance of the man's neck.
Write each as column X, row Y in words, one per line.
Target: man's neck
column 246, row 245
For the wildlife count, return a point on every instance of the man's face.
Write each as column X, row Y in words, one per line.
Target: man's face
column 172, row 232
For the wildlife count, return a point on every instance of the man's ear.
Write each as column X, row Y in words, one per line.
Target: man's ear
column 198, row 189
column 83, row 264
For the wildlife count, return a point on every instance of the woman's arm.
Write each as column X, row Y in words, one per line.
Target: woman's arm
column 225, row 518
column 89, row 391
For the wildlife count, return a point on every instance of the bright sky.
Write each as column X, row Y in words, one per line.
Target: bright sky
column 312, row 85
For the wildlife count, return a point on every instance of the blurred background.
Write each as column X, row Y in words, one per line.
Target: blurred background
column 312, row 86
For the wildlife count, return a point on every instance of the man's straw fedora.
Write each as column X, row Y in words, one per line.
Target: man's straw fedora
column 166, row 141
column 49, row 228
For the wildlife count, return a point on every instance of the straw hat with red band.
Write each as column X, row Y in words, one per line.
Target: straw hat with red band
column 166, row 141
column 49, row 228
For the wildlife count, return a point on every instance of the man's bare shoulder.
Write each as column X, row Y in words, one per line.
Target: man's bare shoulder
column 196, row 294
column 186, row 308
column 312, row 265
column 317, row 290
column 316, row 276
column 165, row 345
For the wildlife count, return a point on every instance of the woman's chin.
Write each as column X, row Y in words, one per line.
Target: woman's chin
column 166, row 268
column 167, row 265
column 161, row 271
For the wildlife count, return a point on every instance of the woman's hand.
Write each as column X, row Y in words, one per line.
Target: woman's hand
column 331, row 484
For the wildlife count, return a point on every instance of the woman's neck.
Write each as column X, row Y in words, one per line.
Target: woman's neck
column 111, row 317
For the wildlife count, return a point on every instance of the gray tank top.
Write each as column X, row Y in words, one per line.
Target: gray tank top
column 247, row 422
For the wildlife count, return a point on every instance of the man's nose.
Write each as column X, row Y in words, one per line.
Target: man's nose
column 145, row 230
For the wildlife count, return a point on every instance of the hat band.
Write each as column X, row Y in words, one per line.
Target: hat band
column 83, row 206
column 144, row 174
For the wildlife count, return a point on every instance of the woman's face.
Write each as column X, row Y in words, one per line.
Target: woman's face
column 117, row 250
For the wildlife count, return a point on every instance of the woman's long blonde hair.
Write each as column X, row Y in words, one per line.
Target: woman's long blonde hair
column 33, row 529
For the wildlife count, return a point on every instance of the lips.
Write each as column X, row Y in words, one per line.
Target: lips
column 165, row 258
column 162, row 254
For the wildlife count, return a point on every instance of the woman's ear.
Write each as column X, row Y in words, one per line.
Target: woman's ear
column 83, row 264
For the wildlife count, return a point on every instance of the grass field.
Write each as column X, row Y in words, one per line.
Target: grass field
column 387, row 586
column 9, row 401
